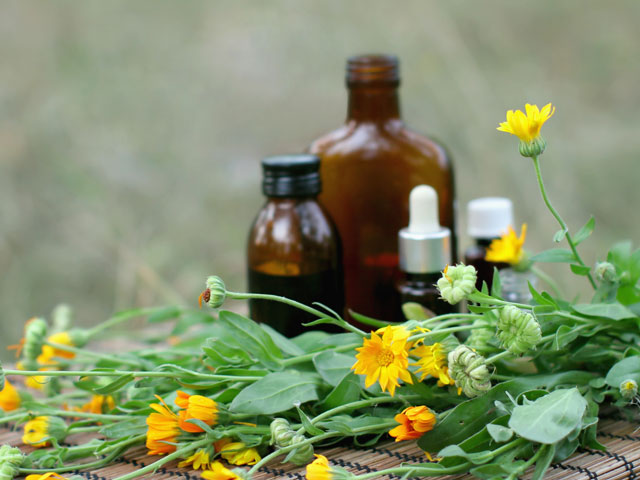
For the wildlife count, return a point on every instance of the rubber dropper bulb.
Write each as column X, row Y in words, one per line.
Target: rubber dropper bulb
column 423, row 210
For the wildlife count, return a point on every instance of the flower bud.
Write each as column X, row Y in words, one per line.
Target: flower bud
column 35, row 333
column 215, row 293
column 11, row 459
column 469, row 371
column 457, row 283
column 518, row 331
column 282, row 435
column 628, row 389
column 533, row 148
column 605, row 272
column 61, row 318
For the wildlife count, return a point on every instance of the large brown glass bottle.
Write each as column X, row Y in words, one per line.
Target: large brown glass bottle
column 293, row 248
column 369, row 166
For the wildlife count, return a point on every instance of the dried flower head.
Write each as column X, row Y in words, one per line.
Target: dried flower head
column 469, row 370
column 457, row 283
column 215, row 292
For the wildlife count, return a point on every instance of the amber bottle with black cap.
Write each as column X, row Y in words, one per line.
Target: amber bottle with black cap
column 293, row 248
column 369, row 166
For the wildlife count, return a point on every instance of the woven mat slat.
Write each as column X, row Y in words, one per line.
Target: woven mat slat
column 620, row 462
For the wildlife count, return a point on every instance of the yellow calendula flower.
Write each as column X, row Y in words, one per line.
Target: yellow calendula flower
column 163, row 429
column 9, row 397
column 99, row 404
column 527, row 127
column 219, row 472
column 48, row 352
column 508, row 248
column 46, row 476
column 199, row 460
column 237, row 453
column 414, row 422
column 196, row 406
column 384, row 358
column 432, row 360
column 319, row 469
column 39, row 430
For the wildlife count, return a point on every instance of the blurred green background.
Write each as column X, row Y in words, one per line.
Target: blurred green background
column 131, row 132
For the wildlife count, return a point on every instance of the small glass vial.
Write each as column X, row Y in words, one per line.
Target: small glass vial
column 424, row 249
column 487, row 219
column 293, row 248
column 515, row 285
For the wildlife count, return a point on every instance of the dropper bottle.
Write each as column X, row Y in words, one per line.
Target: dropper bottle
column 424, row 249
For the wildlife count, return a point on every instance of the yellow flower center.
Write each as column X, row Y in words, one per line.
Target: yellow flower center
column 385, row 358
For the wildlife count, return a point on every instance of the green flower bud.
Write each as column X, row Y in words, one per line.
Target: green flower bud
column 481, row 335
column 61, row 318
column 457, row 283
column 533, row 148
column 215, row 293
column 605, row 272
column 628, row 389
column 79, row 337
column 282, row 435
column 469, row 370
column 518, row 331
column 11, row 459
column 35, row 334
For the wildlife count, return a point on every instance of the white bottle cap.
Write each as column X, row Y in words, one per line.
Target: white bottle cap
column 424, row 246
column 489, row 217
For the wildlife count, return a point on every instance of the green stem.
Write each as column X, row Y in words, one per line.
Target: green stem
column 119, row 318
column 87, row 353
column 563, row 225
column 281, row 451
column 494, row 301
column 515, row 474
column 293, row 303
column 70, row 468
column 307, row 357
column 498, row 356
column 118, row 373
column 158, row 463
column 361, row 403
column 418, row 336
column 416, row 471
column 548, row 280
column 447, row 316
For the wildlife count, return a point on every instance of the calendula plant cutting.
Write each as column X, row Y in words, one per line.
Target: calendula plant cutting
column 232, row 395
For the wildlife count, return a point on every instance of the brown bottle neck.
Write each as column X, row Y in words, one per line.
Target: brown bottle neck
column 373, row 103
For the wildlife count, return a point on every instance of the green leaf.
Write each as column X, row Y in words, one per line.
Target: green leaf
column 347, row 391
column 471, row 416
column 223, row 353
column 413, row 311
column 333, row 366
column 252, row 338
column 306, row 423
column 555, row 255
column 309, row 341
column 564, row 336
column 614, row 311
column 585, row 231
column 539, row 298
column 580, row 269
column 476, row 458
column 499, row 433
column 626, row 369
column 559, row 235
column 277, row 392
column 496, row 286
column 282, row 342
column 115, row 385
column 550, row 418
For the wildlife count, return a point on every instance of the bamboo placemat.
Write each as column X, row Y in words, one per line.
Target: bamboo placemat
column 621, row 461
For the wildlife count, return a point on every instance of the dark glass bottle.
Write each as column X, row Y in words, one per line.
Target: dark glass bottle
column 424, row 248
column 369, row 166
column 293, row 248
column 487, row 219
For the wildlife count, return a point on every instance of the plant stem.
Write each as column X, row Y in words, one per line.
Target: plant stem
column 293, row 303
column 70, row 468
column 360, row 403
column 87, row 353
column 119, row 318
column 498, row 356
column 563, row 225
column 416, row 470
column 118, row 373
column 307, row 357
column 418, row 336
